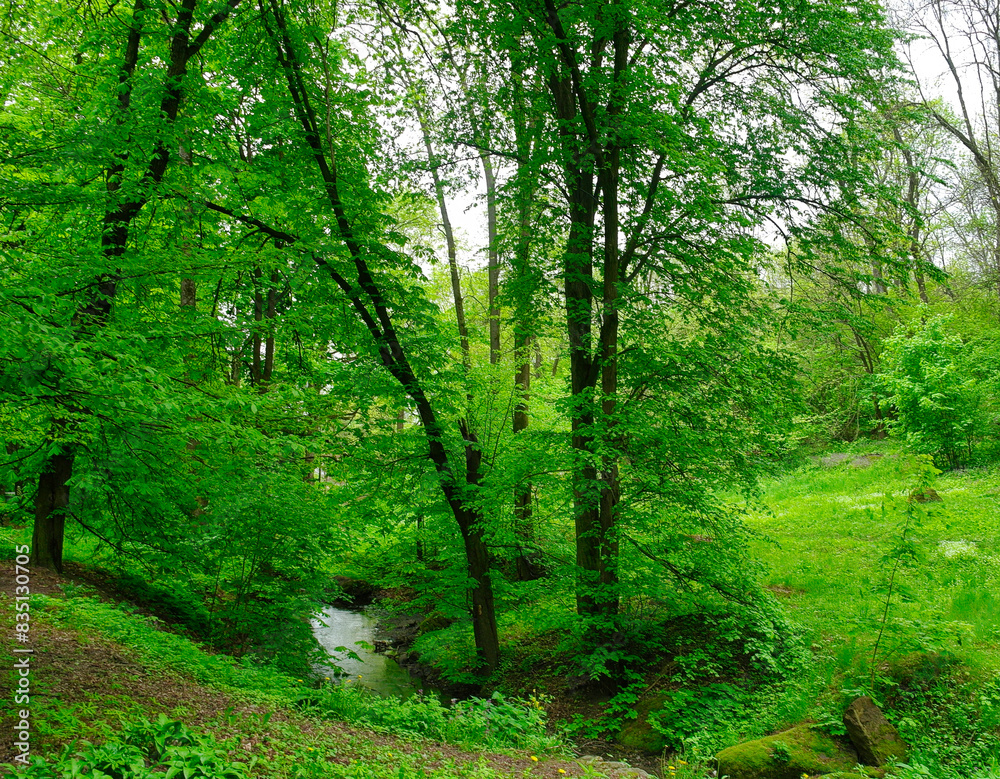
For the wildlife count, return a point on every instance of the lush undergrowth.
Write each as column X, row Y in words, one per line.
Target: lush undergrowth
column 884, row 580
column 208, row 716
column 881, row 578
column 893, row 570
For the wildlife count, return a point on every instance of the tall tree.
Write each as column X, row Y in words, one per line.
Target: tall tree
column 143, row 63
column 966, row 36
column 363, row 276
column 674, row 129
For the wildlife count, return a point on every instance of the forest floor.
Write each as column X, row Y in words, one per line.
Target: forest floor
column 84, row 686
column 830, row 533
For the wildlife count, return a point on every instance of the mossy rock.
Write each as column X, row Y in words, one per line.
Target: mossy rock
column 639, row 733
column 788, row 755
column 843, row 775
column 434, row 621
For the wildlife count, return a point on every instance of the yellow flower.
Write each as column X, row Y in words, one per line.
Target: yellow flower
column 681, row 762
column 534, row 759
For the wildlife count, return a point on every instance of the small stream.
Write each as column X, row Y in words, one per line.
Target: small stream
column 338, row 627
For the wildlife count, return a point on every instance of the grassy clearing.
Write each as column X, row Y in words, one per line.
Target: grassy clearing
column 832, row 532
column 857, row 562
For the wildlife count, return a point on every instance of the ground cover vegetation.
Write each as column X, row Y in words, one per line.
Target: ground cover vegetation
column 248, row 348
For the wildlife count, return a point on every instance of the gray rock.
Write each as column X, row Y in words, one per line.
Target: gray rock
column 877, row 741
column 865, row 460
column 613, row 768
column 833, row 459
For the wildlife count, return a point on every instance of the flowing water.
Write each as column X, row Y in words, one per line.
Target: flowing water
column 342, row 628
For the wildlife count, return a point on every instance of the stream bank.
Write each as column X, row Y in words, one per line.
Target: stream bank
column 390, row 667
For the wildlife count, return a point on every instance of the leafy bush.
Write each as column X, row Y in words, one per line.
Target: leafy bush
column 951, row 722
column 697, row 712
column 450, row 651
column 936, row 399
column 496, row 722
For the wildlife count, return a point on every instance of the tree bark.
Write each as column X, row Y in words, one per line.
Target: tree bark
column 366, row 297
column 50, row 512
column 452, row 247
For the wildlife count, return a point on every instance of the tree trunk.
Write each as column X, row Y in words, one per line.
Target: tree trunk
column 527, row 135
column 493, row 254
column 50, row 512
column 371, row 307
column 523, row 525
column 53, row 489
column 449, row 237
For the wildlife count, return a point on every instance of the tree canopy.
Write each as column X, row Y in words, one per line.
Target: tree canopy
column 243, row 336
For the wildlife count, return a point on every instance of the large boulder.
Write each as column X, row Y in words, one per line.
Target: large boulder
column 436, row 620
column 877, row 741
column 639, row 732
column 787, row 755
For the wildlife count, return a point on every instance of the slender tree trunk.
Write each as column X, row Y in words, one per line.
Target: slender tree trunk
column 256, row 366
column 523, row 523
column 449, row 237
column 373, row 310
column 264, row 313
column 526, row 134
column 270, row 314
column 49, row 512
column 493, row 255
column 913, row 231
column 608, row 598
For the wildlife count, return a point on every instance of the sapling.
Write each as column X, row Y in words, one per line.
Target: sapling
column 906, row 547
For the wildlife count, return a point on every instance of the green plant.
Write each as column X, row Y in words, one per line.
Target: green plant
column 143, row 750
column 496, row 721
column 936, row 400
column 780, row 753
column 699, row 713
column 906, row 550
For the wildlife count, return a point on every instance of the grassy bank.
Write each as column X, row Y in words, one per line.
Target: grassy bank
column 113, row 693
column 883, row 579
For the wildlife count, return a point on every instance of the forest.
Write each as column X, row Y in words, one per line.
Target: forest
column 648, row 351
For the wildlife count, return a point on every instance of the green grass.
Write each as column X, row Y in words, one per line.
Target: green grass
column 830, row 530
column 835, row 539
column 264, row 723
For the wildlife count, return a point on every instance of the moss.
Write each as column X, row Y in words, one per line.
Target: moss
column 787, row 755
column 639, row 733
column 844, row 775
column 434, row 621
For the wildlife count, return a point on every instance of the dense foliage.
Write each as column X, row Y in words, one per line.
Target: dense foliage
column 246, row 348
